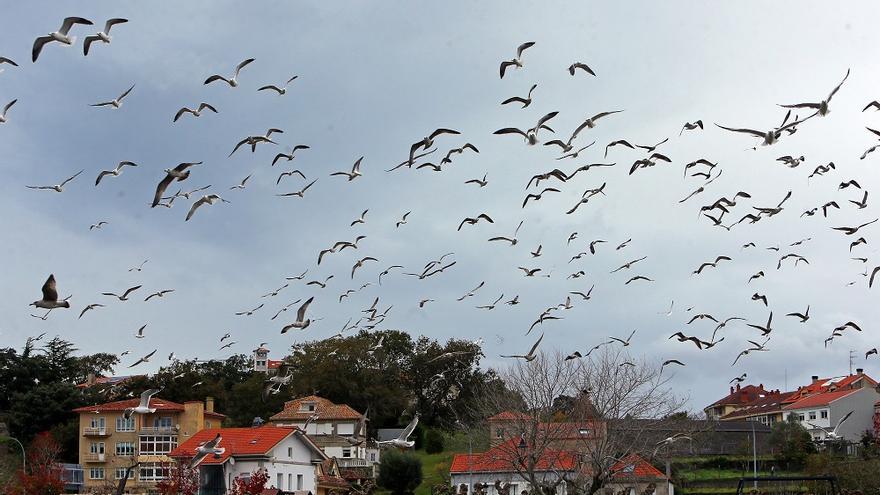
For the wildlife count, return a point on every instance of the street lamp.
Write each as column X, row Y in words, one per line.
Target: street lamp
column 23, row 460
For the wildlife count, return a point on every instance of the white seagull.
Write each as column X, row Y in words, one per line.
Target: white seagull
column 50, row 296
column 144, row 406
column 6, row 109
column 233, row 82
column 103, row 36
column 60, row 36
column 282, row 90
column 116, row 102
column 115, row 172
column 402, row 441
column 57, row 187
column 205, row 449
column 209, row 199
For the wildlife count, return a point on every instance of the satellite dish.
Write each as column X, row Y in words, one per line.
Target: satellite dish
column 231, row 461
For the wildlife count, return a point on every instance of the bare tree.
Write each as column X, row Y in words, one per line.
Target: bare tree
column 573, row 421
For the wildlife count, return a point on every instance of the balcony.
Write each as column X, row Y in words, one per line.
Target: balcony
column 351, row 462
column 94, row 458
column 158, row 430
column 96, row 431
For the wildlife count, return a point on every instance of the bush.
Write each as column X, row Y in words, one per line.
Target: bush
column 399, row 473
column 434, row 441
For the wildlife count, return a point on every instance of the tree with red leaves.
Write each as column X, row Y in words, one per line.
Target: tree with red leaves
column 180, row 480
column 43, row 474
column 252, row 485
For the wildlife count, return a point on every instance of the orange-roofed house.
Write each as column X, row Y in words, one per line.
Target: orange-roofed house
column 563, row 435
column 503, row 462
column 293, row 462
column 332, row 425
column 822, row 404
column 109, row 442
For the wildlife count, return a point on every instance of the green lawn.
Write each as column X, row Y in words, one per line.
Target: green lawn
column 724, row 474
column 435, row 469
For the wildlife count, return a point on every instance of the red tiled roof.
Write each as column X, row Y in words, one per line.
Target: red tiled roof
column 273, row 364
column 103, row 380
column 236, row 441
column 827, row 384
column 820, row 399
column 323, row 408
column 770, row 403
column 502, row 458
column 640, row 468
column 739, row 397
column 121, row 405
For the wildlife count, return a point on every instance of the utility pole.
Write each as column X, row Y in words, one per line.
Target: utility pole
column 851, row 357
column 23, row 458
column 754, row 457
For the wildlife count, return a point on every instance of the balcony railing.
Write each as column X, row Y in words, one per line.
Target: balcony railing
column 163, row 430
column 95, row 431
column 94, row 458
column 350, row 462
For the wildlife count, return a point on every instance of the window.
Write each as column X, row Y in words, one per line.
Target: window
column 372, row 457
column 125, row 448
column 280, row 481
column 96, row 473
column 800, row 417
column 812, row 414
column 345, row 428
column 584, row 431
column 290, row 452
column 289, row 481
column 346, row 452
column 824, row 414
column 96, row 448
column 299, row 482
column 307, row 407
column 98, row 423
column 120, row 473
column 499, row 433
column 163, row 422
column 152, row 471
column 157, row 444
column 123, row 424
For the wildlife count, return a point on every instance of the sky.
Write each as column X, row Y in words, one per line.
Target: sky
column 375, row 77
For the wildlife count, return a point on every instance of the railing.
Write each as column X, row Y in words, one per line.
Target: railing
column 349, row 462
column 95, row 431
column 94, row 457
column 166, row 430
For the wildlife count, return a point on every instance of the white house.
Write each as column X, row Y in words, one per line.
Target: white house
column 292, row 460
column 822, row 411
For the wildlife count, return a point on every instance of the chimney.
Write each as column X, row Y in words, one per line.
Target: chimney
column 815, row 378
column 859, row 371
column 90, row 379
column 737, row 387
column 209, row 404
column 731, row 389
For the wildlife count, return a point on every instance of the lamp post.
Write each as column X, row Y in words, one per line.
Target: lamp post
column 754, row 457
column 23, row 458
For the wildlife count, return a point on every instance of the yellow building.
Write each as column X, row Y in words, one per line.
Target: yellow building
column 109, row 443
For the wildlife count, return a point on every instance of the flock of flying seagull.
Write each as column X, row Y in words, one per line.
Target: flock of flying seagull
column 571, row 146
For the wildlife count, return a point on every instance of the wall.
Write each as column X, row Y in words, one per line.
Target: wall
column 299, row 463
column 862, row 405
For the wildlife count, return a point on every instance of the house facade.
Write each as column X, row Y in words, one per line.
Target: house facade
column 291, row 459
column 331, row 427
column 820, row 413
column 109, row 443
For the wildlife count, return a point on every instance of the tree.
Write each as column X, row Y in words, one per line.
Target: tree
column 180, row 479
column 399, row 472
column 433, row 441
column 791, row 442
column 43, row 475
column 572, row 421
column 251, row 485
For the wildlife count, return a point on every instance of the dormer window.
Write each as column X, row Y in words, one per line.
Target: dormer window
column 584, row 431
column 629, row 469
column 307, row 407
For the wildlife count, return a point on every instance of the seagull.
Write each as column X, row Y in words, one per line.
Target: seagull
column 5, row 60
column 475, row 220
column 769, row 137
column 207, row 199
column 833, row 433
column 791, row 161
column 116, row 102
column 471, row 292
column 402, row 220
column 115, row 172
column 491, row 306
column 289, row 174
column 624, row 342
column 140, row 332
column 387, row 271
column 638, row 277
column 178, row 173
column 863, row 203
column 139, row 267
column 530, row 356
column 765, row 329
column 517, row 61
column 529, row 272
column 299, row 193
column 225, row 346
column 870, row 352
column 853, row 230
column 159, row 294
column 359, row 263
column 712, row 264
column 282, row 90
column 144, row 359
column 803, row 316
column 6, row 109
column 290, row 156
column 689, row 126
column 253, row 141
column 821, row 107
column 628, row 265
column 538, row 196
column 873, row 274
column 582, row 66
column 402, row 441
column 513, row 241
column 124, row 296
column 59, row 187
column 427, row 142
column 231, row 82
column 355, row 171
column 90, row 307
column 103, row 36
column 206, row 449
column 241, row 184
column 50, row 296
column 424, row 301
column 301, row 323
column 144, row 406
column 573, row 355
column 195, row 113
column 98, row 225
column 320, row 284
column 481, row 183
column 536, row 253
column 621, row 245
column 61, row 35
column 591, row 122
column 530, row 135
column 759, row 297
column 513, row 302
column 518, row 99
column 593, row 245
column 249, row 312
column 585, row 297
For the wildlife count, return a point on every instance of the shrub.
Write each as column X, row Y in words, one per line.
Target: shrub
column 399, row 472
column 434, row 441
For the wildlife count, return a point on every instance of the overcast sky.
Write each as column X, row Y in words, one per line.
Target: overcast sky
column 374, row 77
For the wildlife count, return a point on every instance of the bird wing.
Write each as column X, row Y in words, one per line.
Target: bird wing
column 74, row 176
column 535, row 346
column 181, row 112
column 146, row 395
column 50, row 293
column 514, row 99
column 160, row 189
column 511, row 130
column 409, row 428
column 216, row 77
column 543, row 120
column 127, row 91
column 301, row 312
column 743, row 130
column 70, row 21
column 87, row 42
column 38, row 46
column 833, row 91
column 521, row 48
column 270, row 86
column 241, row 66
column 112, row 22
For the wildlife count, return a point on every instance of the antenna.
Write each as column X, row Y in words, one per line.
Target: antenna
column 852, row 354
